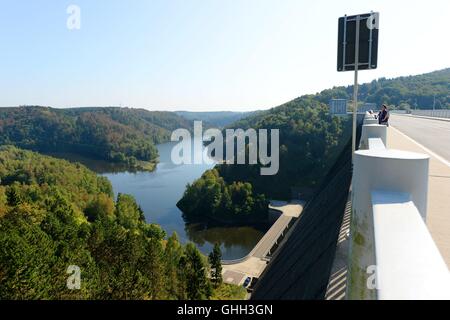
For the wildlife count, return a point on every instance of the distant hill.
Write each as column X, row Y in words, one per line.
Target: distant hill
column 216, row 119
column 407, row 92
column 123, row 135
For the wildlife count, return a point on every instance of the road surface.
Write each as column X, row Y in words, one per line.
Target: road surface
column 432, row 134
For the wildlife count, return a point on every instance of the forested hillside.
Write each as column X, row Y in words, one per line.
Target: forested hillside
column 122, row 135
column 408, row 92
column 54, row 214
column 311, row 139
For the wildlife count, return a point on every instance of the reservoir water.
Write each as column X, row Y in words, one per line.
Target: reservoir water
column 158, row 192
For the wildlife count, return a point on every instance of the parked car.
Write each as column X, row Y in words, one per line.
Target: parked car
column 247, row 281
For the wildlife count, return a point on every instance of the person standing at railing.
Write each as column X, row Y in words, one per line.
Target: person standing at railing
column 383, row 116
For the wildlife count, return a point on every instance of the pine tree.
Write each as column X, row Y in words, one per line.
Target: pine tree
column 173, row 251
column 215, row 258
column 198, row 286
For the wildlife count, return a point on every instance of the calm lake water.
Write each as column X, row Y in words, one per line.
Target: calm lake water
column 158, row 192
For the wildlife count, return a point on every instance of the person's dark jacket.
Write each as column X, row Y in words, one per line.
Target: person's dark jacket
column 382, row 116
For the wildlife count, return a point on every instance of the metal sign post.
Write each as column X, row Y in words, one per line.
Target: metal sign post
column 357, row 50
column 355, row 88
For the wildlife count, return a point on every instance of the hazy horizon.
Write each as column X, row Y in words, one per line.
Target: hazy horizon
column 188, row 109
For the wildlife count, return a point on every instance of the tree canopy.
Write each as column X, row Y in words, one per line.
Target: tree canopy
column 410, row 92
column 55, row 214
column 210, row 198
column 121, row 135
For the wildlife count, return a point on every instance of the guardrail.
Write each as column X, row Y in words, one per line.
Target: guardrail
column 432, row 113
column 398, row 112
column 392, row 254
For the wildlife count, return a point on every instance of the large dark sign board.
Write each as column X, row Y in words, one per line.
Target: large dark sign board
column 368, row 42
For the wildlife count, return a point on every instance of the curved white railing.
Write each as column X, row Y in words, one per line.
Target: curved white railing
column 392, row 253
column 409, row 265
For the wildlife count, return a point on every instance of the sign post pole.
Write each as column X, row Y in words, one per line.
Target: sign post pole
column 355, row 89
column 352, row 30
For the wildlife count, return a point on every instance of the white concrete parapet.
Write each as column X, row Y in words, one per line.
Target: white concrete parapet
column 390, row 170
column 376, row 143
column 372, row 131
column 388, row 231
column 409, row 265
column 370, row 120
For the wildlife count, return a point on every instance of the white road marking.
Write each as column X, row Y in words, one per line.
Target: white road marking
column 431, row 153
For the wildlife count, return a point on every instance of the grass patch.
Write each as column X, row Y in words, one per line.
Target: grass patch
column 229, row 292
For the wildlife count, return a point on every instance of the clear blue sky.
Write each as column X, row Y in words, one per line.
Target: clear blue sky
column 201, row 54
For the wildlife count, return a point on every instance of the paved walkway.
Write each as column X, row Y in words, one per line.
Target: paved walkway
column 438, row 211
column 255, row 262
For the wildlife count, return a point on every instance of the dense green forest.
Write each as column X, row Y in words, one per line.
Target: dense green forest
column 122, row 135
column 411, row 92
column 311, row 139
column 209, row 197
column 54, row 214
